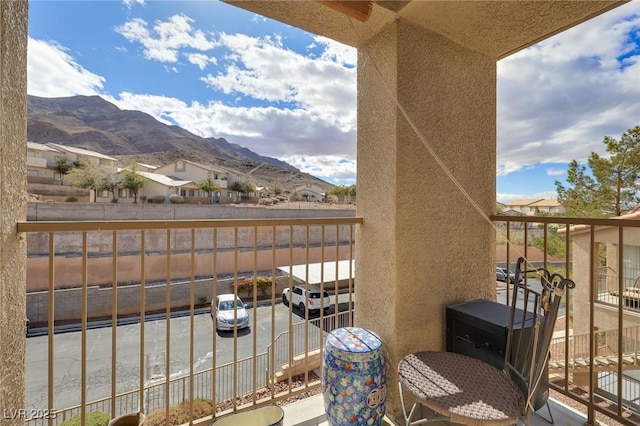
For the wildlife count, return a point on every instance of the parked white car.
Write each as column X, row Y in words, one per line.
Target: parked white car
column 226, row 317
column 306, row 299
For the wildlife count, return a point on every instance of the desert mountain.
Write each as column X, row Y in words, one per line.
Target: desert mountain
column 91, row 122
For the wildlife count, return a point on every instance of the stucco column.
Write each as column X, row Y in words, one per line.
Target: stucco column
column 13, row 255
column 433, row 248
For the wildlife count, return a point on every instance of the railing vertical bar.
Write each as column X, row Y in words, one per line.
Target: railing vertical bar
column 167, row 358
column 214, row 340
column 114, row 319
column 306, row 313
column 51, row 324
column 235, row 317
column 508, row 299
column 83, row 363
column 569, row 314
column 273, row 310
column 290, row 306
column 592, row 266
column 143, row 237
column 526, row 246
column 620, row 318
column 351, row 272
column 337, row 283
column 545, row 239
column 255, row 315
column 192, row 324
column 322, row 258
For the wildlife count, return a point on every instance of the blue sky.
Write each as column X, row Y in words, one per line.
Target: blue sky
column 219, row 71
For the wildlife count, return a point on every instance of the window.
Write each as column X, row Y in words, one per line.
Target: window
column 123, row 193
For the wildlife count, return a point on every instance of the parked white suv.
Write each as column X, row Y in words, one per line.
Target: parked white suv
column 311, row 301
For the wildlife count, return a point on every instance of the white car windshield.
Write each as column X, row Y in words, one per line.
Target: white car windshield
column 227, row 305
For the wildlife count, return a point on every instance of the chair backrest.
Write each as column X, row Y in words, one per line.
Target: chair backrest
column 534, row 309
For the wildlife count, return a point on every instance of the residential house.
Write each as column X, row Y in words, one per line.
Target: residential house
column 195, row 172
column 310, row 192
column 75, row 154
column 157, row 189
column 146, row 167
column 38, row 169
column 532, row 206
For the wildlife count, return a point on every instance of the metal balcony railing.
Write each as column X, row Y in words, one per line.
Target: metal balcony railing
column 594, row 354
column 133, row 298
column 120, row 314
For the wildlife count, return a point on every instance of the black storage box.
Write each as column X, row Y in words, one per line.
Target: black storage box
column 478, row 329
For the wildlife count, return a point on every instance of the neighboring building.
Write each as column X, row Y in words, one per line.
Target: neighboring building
column 531, row 206
column 195, row 172
column 146, row 167
column 157, row 189
column 606, row 243
column 310, row 192
column 38, row 169
column 75, row 154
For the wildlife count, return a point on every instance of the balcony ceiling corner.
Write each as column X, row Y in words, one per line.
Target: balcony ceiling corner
column 494, row 28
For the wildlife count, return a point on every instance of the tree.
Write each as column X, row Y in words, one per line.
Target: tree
column 242, row 187
column 208, row 185
column 109, row 180
column 133, row 181
column 611, row 186
column 63, row 167
column 86, row 176
column 343, row 192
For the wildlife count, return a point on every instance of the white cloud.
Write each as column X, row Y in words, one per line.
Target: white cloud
column 129, row 3
column 558, row 99
column 165, row 40
column 505, row 198
column 269, row 131
column 52, row 72
column 556, row 172
column 201, row 60
column 263, row 69
column 337, row 169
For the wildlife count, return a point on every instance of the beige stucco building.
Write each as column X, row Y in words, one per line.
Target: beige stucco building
column 426, row 128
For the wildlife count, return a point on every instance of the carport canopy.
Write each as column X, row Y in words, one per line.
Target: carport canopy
column 316, row 273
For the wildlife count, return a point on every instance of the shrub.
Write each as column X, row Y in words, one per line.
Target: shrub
column 263, row 284
column 95, row 418
column 179, row 414
column 176, row 199
column 114, row 200
column 157, row 199
column 265, row 201
column 71, row 199
column 42, row 191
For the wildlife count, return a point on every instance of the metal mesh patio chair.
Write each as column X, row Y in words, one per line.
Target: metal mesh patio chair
column 468, row 391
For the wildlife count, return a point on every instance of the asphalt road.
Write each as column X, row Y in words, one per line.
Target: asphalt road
column 68, row 355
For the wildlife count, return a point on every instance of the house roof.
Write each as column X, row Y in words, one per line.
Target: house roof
column 523, row 202
column 40, row 147
column 81, row 151
column 547, row 203
column 162, row 179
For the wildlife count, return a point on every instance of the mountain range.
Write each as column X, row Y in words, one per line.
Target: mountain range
column 92, row 123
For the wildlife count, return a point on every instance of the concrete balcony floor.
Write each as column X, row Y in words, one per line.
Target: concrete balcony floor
column 310, row 412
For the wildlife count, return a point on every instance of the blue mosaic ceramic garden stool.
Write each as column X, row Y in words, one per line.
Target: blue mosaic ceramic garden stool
column 354, row 384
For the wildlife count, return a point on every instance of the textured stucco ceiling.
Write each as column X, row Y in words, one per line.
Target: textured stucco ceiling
column 495, row 28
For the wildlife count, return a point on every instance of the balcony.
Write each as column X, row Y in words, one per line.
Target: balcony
column 100, row 308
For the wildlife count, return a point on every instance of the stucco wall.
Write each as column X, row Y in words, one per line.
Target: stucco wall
column 433, row 247
column 109, row 211
column 13, row 171
column 68, row 270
